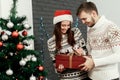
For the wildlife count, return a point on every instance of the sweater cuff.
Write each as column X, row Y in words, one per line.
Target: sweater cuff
column 97, row 62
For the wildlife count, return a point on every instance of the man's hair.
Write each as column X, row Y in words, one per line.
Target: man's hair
column 87, row 7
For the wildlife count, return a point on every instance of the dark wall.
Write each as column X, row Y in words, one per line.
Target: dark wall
column 45, row 9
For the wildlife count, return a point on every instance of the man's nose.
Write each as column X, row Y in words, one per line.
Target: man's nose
column 83, row 21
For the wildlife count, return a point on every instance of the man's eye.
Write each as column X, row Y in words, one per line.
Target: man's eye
column 84, row 19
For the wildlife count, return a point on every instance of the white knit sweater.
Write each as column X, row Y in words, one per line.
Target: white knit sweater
column 104, row 46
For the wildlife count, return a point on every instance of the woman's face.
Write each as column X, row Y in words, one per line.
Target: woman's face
column 65, row 25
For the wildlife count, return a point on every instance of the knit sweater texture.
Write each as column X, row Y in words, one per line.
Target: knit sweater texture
column 103, row 43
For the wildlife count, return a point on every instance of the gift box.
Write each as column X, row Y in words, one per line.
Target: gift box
column 69, row 61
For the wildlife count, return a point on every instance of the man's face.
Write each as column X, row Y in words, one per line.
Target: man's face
column 87, row 18
column 65, row 25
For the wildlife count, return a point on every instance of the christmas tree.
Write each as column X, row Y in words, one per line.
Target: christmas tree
column 18, row 61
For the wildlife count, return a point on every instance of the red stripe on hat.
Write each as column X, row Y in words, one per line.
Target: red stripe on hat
column 62, row 12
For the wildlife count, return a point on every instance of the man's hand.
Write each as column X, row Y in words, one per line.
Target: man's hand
column 88, row 65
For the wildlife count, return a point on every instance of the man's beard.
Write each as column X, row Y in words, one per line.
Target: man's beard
column 93, row 22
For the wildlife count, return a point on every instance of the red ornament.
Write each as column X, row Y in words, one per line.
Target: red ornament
column 2, row 32
column 1, row 44
column 15, row 34
column 41, row 77
column 24, row 33
column 20, row 46
column 41, row 68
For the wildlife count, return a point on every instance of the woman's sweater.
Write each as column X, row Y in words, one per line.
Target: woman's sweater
column 103, row 43
column 80, row 42
column 67, row 48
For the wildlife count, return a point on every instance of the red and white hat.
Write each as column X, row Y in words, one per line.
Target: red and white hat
column 61, row 15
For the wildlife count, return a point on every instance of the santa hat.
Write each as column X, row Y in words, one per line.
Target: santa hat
column 61, row 15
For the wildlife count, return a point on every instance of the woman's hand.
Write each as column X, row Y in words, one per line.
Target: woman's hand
column 79, row 51
column 60, row 68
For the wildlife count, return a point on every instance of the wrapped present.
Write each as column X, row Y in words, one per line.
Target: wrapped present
column 69, row 61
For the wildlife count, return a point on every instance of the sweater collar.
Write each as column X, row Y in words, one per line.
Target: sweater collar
column 99, row 23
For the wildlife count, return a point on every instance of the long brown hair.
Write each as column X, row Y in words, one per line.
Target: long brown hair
column 58, row 36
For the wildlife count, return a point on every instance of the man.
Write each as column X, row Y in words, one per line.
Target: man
column 103, row 44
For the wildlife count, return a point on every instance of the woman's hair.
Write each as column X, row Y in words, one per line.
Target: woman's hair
column 87, row 7
column 58, row 36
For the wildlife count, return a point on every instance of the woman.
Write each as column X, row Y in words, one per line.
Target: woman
column 64, row 40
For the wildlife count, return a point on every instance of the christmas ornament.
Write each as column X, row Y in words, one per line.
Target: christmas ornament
column 10, row 24
column 29, row 57
column 25, row 59
column 16, row 53
column 6, row 57
column 18, row 24
column 1, row 44
column 4, row 37
column 7, row 32
column 41, row 77
column 9, row 72
column 34, row 58
column 24, row 33
column 11, row 54
column 15, row 34
column 26, row 26
column 20, row 46
column 32, row 77
column 2, row 32
column 41, row 68
column 22, row 62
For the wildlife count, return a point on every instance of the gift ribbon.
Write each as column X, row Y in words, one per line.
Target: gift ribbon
column 70, row 61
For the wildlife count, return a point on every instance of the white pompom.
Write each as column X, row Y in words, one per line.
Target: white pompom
column 7, row 32
column 11, row 54
column 34, row 58
column 4, row 37
column 10, row 24
column 25, row 59
column 32, row 77
column 29, row 57
column 9, row 72
column 22, row 62
column 26, row 26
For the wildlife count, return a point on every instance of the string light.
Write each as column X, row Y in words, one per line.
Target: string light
column 76, row 22
column 44, row 33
